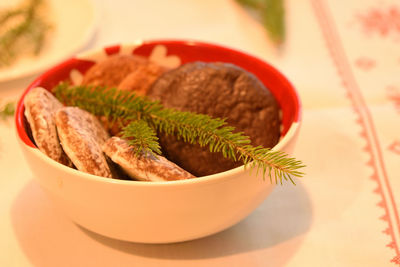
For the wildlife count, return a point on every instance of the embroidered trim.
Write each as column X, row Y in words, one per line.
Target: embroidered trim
column 365, row 121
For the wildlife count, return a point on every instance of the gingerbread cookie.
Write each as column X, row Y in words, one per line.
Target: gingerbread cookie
column 141, row 78
column 82, row 136
column 114, row 69
column 220, row 90
column 40, row 107
column 144, row 167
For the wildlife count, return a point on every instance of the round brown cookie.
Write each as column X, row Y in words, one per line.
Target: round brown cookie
column 40, row 107
column 112, row 70
column 145, row 167
column 141, row 78
column 220, row 90
column 81, row 136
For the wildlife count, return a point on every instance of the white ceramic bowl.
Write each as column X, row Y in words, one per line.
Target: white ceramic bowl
column 159, row 212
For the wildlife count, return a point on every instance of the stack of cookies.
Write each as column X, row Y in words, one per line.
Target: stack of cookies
column 78, row 139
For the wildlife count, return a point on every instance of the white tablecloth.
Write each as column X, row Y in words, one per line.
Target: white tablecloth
column 344, row 59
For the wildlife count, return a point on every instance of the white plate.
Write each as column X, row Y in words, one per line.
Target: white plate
column 73, row 24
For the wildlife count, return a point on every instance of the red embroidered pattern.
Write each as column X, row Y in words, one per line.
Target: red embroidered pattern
column 395, row 147
column 365, row 63
column 381, row 20
column 394, row 95
column 365, row 121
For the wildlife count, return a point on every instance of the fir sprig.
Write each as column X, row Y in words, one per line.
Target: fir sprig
column 272, row 15
column 21, row 29
column 140, row 135
column 144, row 117
column 7, row 110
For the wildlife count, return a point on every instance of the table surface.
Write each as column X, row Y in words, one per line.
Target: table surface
column 344, row 59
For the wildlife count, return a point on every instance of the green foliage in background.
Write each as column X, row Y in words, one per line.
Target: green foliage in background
column 272, row 14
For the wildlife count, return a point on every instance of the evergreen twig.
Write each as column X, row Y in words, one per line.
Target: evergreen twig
column 144, row 117
column 140, row 135
column 7, row 110
column 21, row 29
column 272, row 14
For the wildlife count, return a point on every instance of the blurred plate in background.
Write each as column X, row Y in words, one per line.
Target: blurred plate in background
column 73, row 24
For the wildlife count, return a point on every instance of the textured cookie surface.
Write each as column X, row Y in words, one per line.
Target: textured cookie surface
column 82, row 136
column 141, row 78
column 112, row 70
column 220, row 90
column 144, row 167
column 40, row 107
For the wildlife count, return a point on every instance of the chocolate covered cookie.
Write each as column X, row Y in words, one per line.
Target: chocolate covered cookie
column 220, row 90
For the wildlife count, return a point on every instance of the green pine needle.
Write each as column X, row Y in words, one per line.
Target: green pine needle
column 141, row 137
column 145, row 117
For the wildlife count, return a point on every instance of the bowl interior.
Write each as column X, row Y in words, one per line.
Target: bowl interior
column 186, row 51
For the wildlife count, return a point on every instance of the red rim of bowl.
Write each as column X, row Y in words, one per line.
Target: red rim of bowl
column 290, row 95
